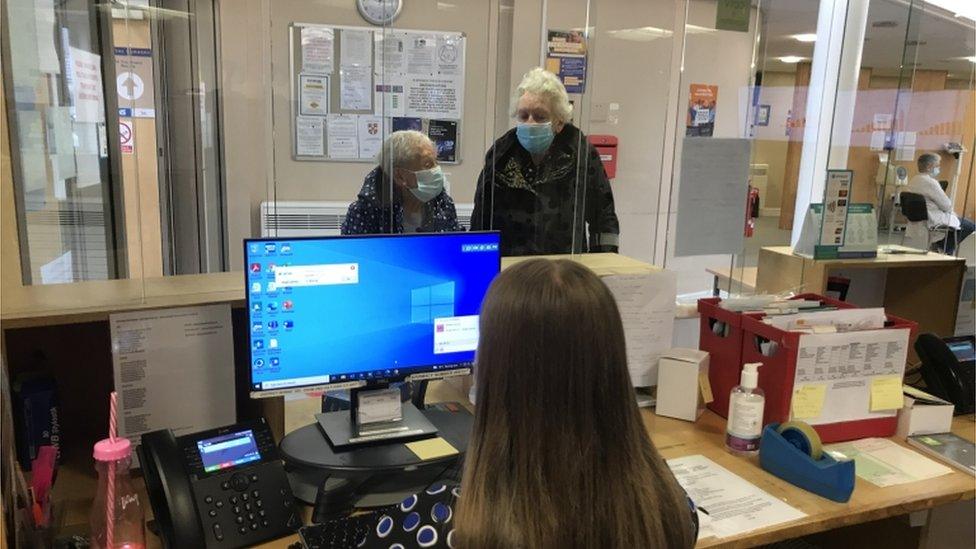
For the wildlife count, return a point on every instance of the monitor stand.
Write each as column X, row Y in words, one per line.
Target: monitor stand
column 344, row 430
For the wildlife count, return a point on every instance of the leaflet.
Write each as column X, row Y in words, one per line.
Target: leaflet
column 309, row 139
column 318, row 52
column 343, row 136
column 354, row 88
column 313, row 95
column 856, row 368
column 884, row 463
column 355, row 48
column 733, row 505
column 646, row 303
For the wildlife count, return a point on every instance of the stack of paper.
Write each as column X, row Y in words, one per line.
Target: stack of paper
column 884, row 463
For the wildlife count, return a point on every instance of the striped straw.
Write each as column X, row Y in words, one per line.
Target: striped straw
column 110, row 489
column 112, row 420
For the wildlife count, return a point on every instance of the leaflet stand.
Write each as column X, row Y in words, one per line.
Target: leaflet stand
column 376, row 415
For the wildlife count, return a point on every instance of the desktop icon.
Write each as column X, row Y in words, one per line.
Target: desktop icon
column 255, row 267
column 256, row 288
column 256, row 327
column 254, row 248
column 272, row 324
column 272, row 343
column 272, row 287
column 270, row 268
column 259, row 363
column 287, row 305
column 256, row 307
column 272, row 307
column 270, row 247
column 275, row 361
column 286, row 248
column 258, row 344
column 289, row 324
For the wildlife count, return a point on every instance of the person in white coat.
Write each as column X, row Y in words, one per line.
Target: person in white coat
column 937, row 202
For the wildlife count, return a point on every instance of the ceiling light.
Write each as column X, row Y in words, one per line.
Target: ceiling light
column 792, row 59
column 808, row 37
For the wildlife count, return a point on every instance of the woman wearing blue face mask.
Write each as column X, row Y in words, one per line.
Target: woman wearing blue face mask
column 405, row 193
column 543, row 185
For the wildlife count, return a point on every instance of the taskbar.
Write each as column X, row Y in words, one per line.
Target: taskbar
column 363, row 378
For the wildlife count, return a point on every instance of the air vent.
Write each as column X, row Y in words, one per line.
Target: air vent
column 916, row 43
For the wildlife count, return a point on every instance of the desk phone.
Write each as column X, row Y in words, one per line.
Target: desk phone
column 223, row 487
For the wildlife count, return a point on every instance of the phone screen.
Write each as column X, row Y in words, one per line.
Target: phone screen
column 228, row 451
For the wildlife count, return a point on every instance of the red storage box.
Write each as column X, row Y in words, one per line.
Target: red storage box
column 724, row 349
column 778, row 371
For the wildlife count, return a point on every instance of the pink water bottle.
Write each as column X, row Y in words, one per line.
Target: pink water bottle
column 117, row 520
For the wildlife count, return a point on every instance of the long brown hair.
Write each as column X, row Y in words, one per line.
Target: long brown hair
column 559, row 456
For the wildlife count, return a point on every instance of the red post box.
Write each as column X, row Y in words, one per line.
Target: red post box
column 606, row 147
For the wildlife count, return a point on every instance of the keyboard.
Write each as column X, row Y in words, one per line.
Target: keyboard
column 340, row 533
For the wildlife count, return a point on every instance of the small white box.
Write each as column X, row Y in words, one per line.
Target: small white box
column 682, row 377
column 923, row 414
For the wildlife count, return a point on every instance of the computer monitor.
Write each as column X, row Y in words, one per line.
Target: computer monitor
column 356, row 311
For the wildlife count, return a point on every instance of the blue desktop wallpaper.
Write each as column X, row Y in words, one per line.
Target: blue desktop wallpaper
column 383, row 322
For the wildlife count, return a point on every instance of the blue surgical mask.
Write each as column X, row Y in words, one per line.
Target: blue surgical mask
column 430, row 183
column 935, row 171
column 535, row 138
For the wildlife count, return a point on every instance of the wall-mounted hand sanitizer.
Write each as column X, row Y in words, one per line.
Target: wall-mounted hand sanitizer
column 746, row 403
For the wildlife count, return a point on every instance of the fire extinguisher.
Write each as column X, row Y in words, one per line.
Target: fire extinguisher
column 752, row 210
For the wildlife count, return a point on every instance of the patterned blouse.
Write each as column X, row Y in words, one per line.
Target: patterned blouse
column 562, row 205
column 426, row 520
column 374, row 213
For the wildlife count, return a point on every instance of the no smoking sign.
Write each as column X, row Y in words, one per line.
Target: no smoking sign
column 125, row 137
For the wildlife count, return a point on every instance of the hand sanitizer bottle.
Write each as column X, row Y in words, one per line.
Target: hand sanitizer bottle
column 746, row 403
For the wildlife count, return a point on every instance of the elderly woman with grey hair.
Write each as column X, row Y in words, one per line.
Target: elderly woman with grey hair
column 404, row 193
column 543, row 184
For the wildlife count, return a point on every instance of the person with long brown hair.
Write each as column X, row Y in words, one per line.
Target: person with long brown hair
column 559, row 456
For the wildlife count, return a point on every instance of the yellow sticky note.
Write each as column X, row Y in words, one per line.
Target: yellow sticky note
column 431, row 448
column 706, row 387
column 886, row 393
column 808, row 401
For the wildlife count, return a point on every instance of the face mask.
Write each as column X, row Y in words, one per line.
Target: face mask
column 430, row 183
column 535, row 138
column 935, row 171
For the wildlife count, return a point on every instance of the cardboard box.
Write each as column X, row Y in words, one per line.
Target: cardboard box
column 923, row 414
column 683, row 388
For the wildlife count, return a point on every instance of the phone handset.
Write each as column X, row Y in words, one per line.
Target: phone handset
column 170, row 493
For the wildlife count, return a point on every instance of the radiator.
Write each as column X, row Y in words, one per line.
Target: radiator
column 319, row 218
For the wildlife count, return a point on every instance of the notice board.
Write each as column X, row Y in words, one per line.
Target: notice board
column 352, row 86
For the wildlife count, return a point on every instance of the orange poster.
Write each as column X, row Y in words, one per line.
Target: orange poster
column 702, row 102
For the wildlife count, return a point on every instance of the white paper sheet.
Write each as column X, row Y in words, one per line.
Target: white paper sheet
column 842, row 319
column 436, row 97
column 877, row 140
column 733, row 504
column 45, row 27
column 343, row 135
column 846, row 363
column 173, row 369
column 354, row 88
column 390, row 53
column 318, row 53
column 450, row 54
column 370, row 136
column 646, row 304
column 309, row 137
column 421, row 51
column 313, row 95
column 86, row 88
column 884, row 463
column 59, row 271
column 64, row 146
column 712, row 196
column 355, row 48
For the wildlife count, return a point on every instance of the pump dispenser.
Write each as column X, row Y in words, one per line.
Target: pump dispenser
column 746, row 404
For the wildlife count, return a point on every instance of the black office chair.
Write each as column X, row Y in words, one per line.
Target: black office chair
column 914, row 209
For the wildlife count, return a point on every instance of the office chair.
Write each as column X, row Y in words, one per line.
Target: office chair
column 915, row 211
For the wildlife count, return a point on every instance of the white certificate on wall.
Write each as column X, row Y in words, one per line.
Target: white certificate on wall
column 370, row 136
column 309, row 138
column 313, row 95
column 343, row 133
column 318, row 51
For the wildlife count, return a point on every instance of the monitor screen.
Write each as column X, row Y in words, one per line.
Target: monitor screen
column 339, row 309
column 963, row 348
column 226, row 451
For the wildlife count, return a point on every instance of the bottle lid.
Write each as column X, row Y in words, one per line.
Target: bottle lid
column 750, row 375
column 106, row 450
